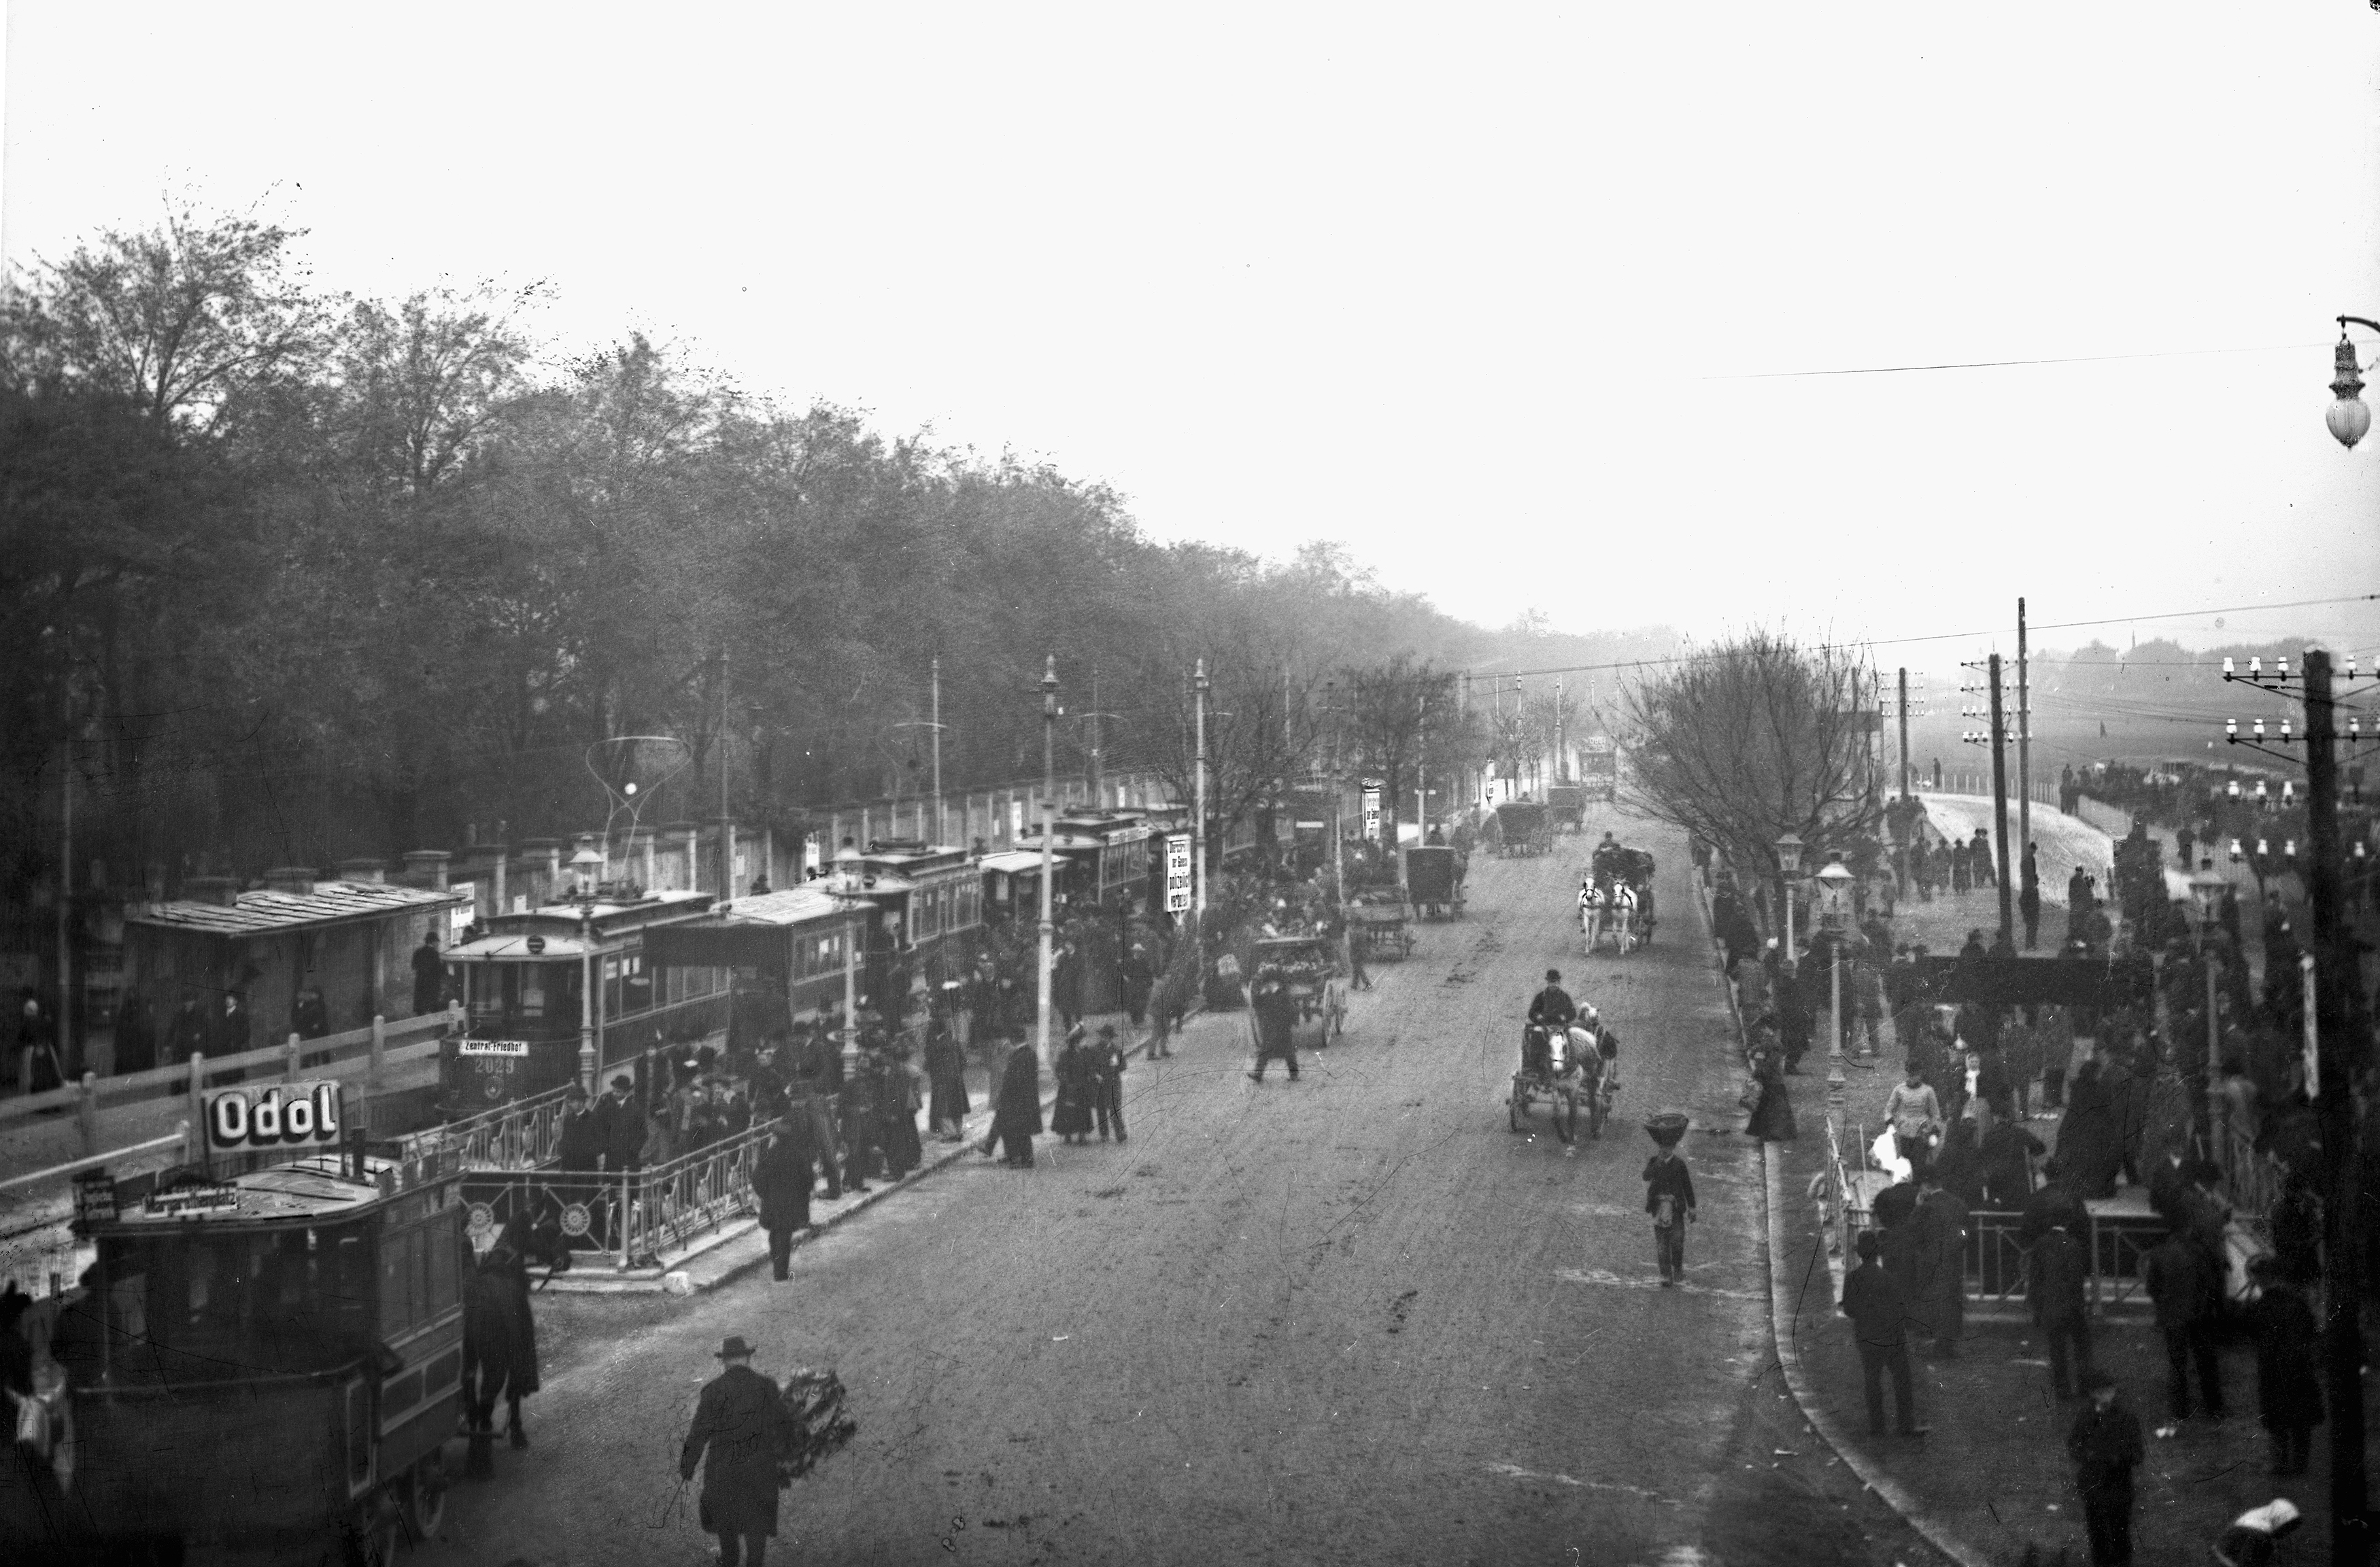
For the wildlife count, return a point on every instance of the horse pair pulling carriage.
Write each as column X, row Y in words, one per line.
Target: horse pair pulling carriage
column 1565, row 1070
column 1615, row 899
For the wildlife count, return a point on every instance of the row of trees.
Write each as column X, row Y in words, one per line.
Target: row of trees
column 293, row 575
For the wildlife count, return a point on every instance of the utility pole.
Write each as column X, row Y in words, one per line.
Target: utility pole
column 1048, row 852
column 1562, row 758
column 1904, row 736
column 727, row 823
column 2023, row 739
column 1999, row 805
column 1901, row 839
column 936, row 675
column 67, row 1055
column 1199, row 797
column 2336, row 970
column 1337, row 832
column 1097, row 801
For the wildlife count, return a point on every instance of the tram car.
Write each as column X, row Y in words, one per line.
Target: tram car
column 520, row 982
column 931, row 900
column 271, row 1359
column 1115, row 847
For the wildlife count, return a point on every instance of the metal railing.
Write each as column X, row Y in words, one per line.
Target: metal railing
column 665, row 1208
column 1996, row 1258
column 523, row 1134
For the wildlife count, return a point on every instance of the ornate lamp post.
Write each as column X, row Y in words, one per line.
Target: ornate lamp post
column 1789, row 860
column 2207, row 886
column 1835, row 884
column 2347, row 418
column 586, row 866
column 846, row 883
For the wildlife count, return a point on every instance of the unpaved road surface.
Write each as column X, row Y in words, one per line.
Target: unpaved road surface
column 1349, row 1319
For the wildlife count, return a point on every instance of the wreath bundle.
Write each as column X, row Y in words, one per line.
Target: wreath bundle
column 817, row 1425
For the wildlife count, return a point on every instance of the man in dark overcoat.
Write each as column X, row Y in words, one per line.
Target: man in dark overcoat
column 429, row 976
column 1066, row 984
column 1016, row 1106
column 740, row 1425
column 782, row 1178
column 947, row 1105
column 623, row 1122
column 1872, row 1299
column 1276, row 1016
column 1107, row 1087
column 2105, row 1444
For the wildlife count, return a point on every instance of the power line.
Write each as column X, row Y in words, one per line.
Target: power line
column 2009, row 364
column 1938, row 636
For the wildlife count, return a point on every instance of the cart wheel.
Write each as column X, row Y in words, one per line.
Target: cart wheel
column 1516, row 1107
column 377, row 1530
column 425, row 1501
column 1565, row 1110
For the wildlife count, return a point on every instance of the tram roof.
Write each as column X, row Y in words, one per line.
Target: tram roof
column 1014, row 862
column 263, row 911
column 313, row 1189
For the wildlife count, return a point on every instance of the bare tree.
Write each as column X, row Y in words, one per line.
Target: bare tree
column 1260, row 731
column 1749, row 740
column 1391, row 709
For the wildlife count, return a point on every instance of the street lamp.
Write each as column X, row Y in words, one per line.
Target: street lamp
column 1789, row 860
column 586, row 866
column 847, row 884
column 1835, row 884
column 2206, row 888
column 2347, row 418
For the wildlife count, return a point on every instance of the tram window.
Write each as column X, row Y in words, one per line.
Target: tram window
column 636, row 984
column 400, row 1281
column 216, row 1306
column 531, row 992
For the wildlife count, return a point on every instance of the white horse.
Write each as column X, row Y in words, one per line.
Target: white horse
column 1608, row 909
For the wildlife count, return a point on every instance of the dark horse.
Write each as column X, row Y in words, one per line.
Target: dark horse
column 499, row 1333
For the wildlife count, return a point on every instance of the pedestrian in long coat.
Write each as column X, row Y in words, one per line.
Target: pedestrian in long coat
column 2091, row 1137
column 897, row 1103
column 1772, row 1117
column 782, row 1178
column 946, row 1074
column 2289, row 1385
column 1275, row 1017
column 1874, row 1301
column 1016, row 1106
column 740, row 1425
column 1078, row 1087
column 1941, row 1225
column 1108, row 1059
column 2104, row 1443
column 1066, row 984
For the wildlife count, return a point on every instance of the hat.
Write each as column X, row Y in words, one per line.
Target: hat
column 1868, row 1244
column 624, row 1081
column 574, row 1093
column 2092, row 1380
column 733, row 1349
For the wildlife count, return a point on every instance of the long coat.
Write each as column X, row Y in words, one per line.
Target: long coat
column 782, row 1176
column 1016, row 1105
column 946, row 1071
column 1078, row 1081
column 1772, row 1118
column 2289, row 1385
column 738, row 1428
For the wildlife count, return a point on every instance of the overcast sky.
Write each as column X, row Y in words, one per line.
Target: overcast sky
column 1502, row 296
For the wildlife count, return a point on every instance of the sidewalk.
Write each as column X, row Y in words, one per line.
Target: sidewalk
column 739, row 1245
column 1991, row 1476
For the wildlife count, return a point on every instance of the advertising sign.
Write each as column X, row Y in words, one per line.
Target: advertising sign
column 94, row 1197
column 1371, row 810
column 283, row 1115
column 461, row 916
column 1177, row 872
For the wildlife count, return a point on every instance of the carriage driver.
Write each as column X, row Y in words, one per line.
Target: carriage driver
column 1549, row 1009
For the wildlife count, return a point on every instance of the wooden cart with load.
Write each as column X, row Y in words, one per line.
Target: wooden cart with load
column 1523, row 827
column 1309, row 967
column 1433, row 881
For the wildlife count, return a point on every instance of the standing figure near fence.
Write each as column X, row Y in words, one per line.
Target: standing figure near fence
column 1872, row 1299
column 2104, row 1443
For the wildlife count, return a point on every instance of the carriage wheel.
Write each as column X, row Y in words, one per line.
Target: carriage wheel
column 377, row 1531
column 425, row 1497
column 1516, row 1107
column 1565, row 1108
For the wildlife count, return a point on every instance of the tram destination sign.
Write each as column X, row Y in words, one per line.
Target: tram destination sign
column 281, row 1115
column 492, row 1047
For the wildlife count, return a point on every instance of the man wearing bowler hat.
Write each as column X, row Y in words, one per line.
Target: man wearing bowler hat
column 740, row 1426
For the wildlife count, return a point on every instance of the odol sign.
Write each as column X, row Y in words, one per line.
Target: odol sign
column 283, row 1115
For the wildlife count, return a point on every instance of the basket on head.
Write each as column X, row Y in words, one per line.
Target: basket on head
column 1666, row 1128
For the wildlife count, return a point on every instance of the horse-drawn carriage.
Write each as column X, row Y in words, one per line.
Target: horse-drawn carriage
column 1381, row 927
column 1523, row 827
column 1615, row 898
column 1568, row 804
column 1434, row 879
column 1307, row 968
column 1565, row 1070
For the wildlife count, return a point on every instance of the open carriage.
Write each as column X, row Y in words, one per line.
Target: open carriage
column 1308, row 968
column 1381, row 927
column 1563, row 1070
column 271, row 1359
column 1615, row 900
